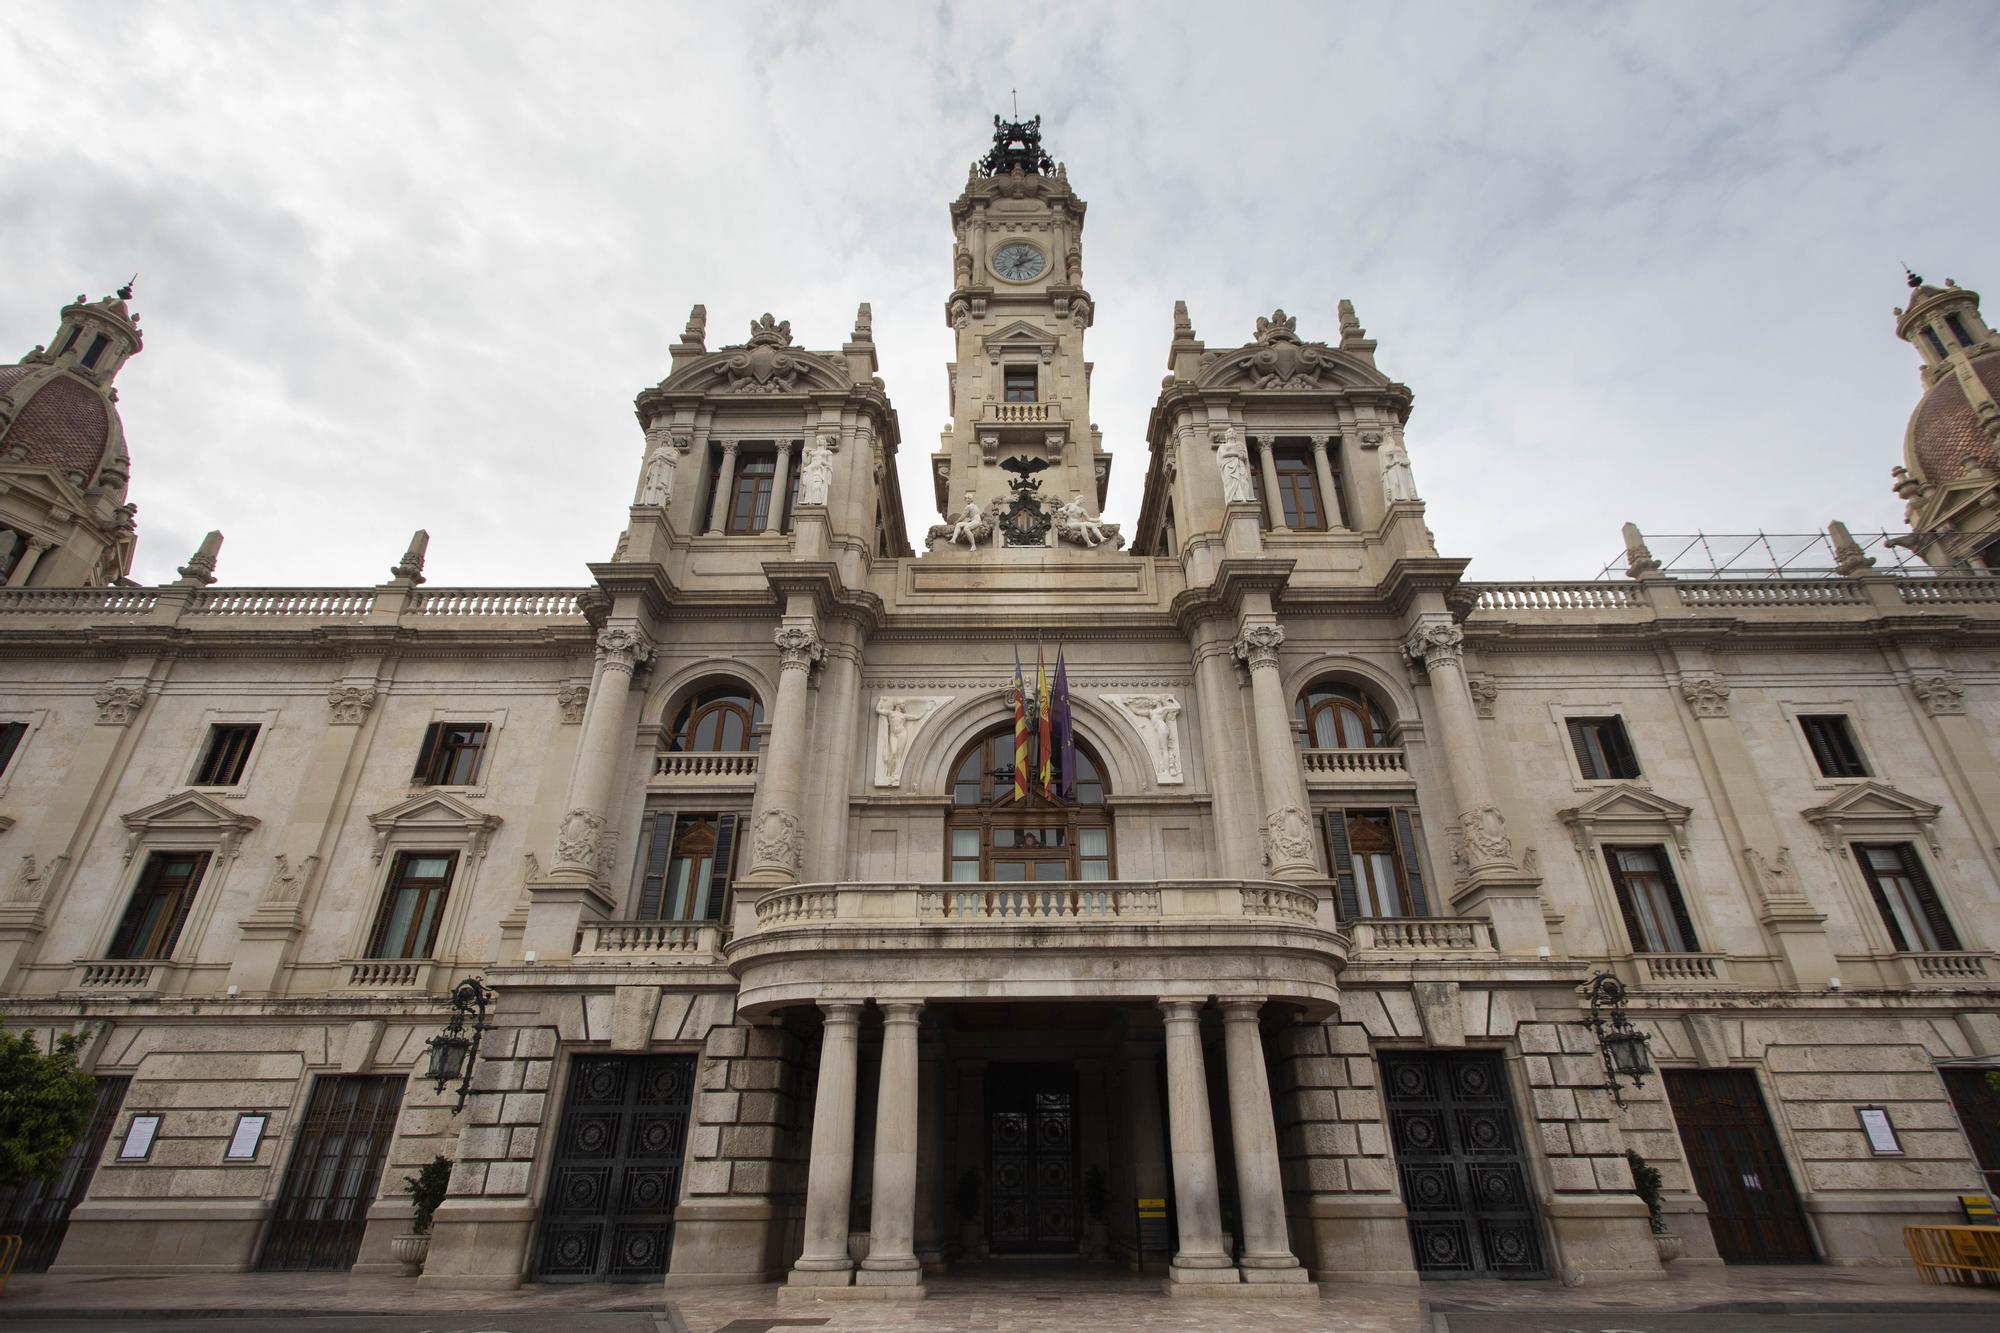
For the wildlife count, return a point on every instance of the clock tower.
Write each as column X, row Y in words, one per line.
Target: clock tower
column 1020, row 387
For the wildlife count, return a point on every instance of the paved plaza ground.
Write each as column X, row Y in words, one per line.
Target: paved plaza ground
column 1016, row 1298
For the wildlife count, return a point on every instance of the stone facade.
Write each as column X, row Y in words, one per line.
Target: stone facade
column 791, row 983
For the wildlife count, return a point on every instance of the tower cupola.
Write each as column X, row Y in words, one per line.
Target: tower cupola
column 1950, row 476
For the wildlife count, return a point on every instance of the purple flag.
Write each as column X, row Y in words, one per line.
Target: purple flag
column 1065, row 733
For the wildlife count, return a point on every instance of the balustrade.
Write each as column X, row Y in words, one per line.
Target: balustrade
column 1959, row 967
column 681, row 764
column 78, row 601
column 1556, row 596
column 320, row 603
column 1772, row 592
column 627, row 939
column 1684, row 968
column 388, row 973
column 140, row 975
column 1384, row 762
column 1389, row 934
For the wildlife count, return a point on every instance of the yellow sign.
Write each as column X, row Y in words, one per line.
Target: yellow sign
column 1152, row 1207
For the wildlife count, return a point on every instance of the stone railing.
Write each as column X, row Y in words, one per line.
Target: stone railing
column 634, row 940
column 1011, row 413
column 1682, row 969
column 1353, row 765
column 1422, row 935
column 527, row 603
column 1953, row 967
column 1076, row 902
column 678, row 764
column 120, row 974
column 1771, row 592
column 1926, row 592
column 387, row 973
column 318, row 603
column 1556, row 596
column 79, row 601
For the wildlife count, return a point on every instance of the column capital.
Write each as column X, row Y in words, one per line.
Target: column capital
column 1258, row 645
column 1434, row 642
column 902, row 1012
column 1180, row 1009
column 1319, row 442
column 40, row 543
column 799, row 647
column 841, row 1011
column 623, row 649
column 729, row 447
column 1240, row 1008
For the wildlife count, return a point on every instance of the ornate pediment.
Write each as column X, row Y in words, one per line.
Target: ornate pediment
column 1626, row 811
column 185, row 814
column 437, row 813
column 766, row 364
column 1020, row 336
column 1279, row 360
column 1873, row 809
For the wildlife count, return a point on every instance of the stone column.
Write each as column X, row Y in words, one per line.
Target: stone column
column 1267, row 462
column 1148, row 1142
column 37, row 546
column 1479, row 838
column 931, row 1203
column 777, row 846
column 774, row 521
column 830, row 1175
column 580, row 849
column 1288, row 831
column 892, row 1260
column 1202, row 1257
column 725, row 484
column 1260, row 1192
column 1329, row 493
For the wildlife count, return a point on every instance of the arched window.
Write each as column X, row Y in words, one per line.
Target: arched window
column 991, row 836
column 1341, row 717
column 720, row 719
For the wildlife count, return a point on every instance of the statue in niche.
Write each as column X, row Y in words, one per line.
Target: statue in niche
column 1154, row 716
column 971, row 524
column 816, row 472
column 657, row 487
column 901, row 719
column 1397, row 482
column 1075, row 522
column 1232, row 459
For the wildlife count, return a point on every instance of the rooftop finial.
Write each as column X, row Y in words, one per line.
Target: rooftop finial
column 1017, row 145
column 125, row 292
column 1916, row 279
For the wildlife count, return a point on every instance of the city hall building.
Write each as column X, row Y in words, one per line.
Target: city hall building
column 792, row 981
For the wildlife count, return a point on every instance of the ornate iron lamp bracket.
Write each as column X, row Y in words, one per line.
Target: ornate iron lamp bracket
column 455, row 1050
column 1621, row 1046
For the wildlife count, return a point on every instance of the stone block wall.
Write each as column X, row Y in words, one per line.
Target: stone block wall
column 1347, row 1218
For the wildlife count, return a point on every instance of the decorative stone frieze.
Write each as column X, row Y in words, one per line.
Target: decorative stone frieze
column 288, row 883
column 1258, row 645
column 1480, row 837
column 580, row 841
column 1939, row 692
column 32, row 881
column 118, row 704
column 571, row 699
column 778, row 840
column 1288, row 837
column 348, row 705
column 1707, row 695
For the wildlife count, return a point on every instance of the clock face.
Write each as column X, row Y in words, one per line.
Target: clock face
column 1019, row 262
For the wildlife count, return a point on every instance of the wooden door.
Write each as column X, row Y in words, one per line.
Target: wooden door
column 38, row 1211
column 1031, row 1159
column 335, row 1172
column 1978, row 1107
column 616, row 1175
column 1460, row 1165
column 1738, row 1168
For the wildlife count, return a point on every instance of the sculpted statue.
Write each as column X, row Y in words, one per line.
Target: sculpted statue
column 900, row 721
column 1153, row 716
column 657, row 487
column 1397, row 483
column 1074, row 521
column 816, row 473
column 971, row 524
column 1232, row 459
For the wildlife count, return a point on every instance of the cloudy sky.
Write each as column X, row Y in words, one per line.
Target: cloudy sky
column 406, row 265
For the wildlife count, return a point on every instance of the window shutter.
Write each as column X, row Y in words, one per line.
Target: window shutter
column 1342, row 862
column 173, row 935
column 1822, row 746
column 1933, row 905
column 657, row 835
column 1579, row 740
column 1681, row 916
column 1413, row 871
column 123, row 942
column 1882, row 907
column 1618, row 750
column 1624, row 895
column 719, row 875
column 427, row 752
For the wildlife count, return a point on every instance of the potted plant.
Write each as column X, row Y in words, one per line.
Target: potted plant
column 965, row 1201
column 1096, row 1203
column 1646, row 1184
column 427, row 1190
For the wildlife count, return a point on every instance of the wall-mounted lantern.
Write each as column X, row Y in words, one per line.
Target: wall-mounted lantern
column 454, row 1050
column 1622, row 1046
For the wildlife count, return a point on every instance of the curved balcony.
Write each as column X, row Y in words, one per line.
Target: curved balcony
column 1092, row 939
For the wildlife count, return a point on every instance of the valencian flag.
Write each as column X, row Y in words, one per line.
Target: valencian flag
column 1065, row 729
column 1020, row 732
column 1044, row 724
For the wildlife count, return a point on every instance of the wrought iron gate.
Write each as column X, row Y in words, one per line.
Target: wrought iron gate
column 38, row 1211
column 1459, row 1161
column 1031, row 1159
column 617, row 1170
column 335, row 1170
column 1738, row 1169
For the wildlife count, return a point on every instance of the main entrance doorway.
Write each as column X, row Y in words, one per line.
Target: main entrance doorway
column 1978, row 1106
column 1732, row 1150
column 38, row 1211
column 617, row 1170
column 1031, row 1159
column 336, row 1168
column 1459, row 1162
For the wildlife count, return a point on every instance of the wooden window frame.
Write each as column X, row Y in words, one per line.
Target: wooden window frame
column 1626, row 894
column 1362, row 708
column 729, row 698
column 998, row 811
column 164, row 933
column 1407, row 828
column 1929, row 902
column 1298, row 488
column 427, row 922
column 225, row 758
column 656, row 859
column 1588, row 743
column 439, row 756
column 1016, row 378
column 1830, row 739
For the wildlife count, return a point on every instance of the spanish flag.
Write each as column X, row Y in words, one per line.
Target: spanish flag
column 1044, row 725
column 1020, row 732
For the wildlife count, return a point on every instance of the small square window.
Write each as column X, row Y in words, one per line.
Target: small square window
column 1021, row 384
column 451, row 754
column 1603, row 750
column 1833, row 746
column 228, row 751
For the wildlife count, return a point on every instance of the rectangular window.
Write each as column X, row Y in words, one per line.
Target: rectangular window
column 451, row 754
column 11, row 736
column 1903, row 894
column 1375, row 862
column 1957, row 327
column 1602, row 748
column 1656, row 919
column 965, row 853
column 1833, row 746
column 753, row 492
column 1020, row 384
column 1937, row 343
column 228, row 751
column 97, row 346
column 408, row 925
column 685, row 868
column 159, row 907
column 1298, row 489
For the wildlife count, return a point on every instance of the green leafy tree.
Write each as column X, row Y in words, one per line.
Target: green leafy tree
column 45, row 1106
